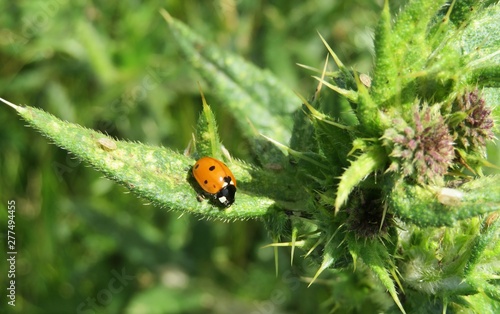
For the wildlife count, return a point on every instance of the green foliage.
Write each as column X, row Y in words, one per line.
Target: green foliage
column 377, row 178
column 443, row 206
column 240, row 86
column 159, row 174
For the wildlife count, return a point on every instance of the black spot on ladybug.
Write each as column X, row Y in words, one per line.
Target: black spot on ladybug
column 212, row 168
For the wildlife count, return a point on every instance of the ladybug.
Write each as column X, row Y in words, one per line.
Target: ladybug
column 215, row 178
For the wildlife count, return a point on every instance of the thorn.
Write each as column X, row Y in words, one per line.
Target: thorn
column 313, row 69
column 384, row 212
column 320, row 116
column 349, row 94
column 396, row 277
column 313, row 247
column 320, row 84
column 276, row 244
column 204, row 101
column 276, row 255
column 9, row 103
column 189, row 149
column 295, row 153
column 330, row 50
column 327, row 262
column 294, row 237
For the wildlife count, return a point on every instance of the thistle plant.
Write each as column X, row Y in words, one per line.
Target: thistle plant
column 376, row 176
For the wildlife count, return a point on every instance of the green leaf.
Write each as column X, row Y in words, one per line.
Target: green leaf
column 489, row 289
column 303, row 133
column 335, row 144
column 207, row 141
column 411, row 30
column 375, row 255
column 385, row 66
column 443, row 207
column 480, row 44
column 359, row 169
column 488, row 233
column 161, row 175
column 463, row 10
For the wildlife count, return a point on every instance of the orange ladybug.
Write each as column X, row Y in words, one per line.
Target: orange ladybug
column 215, row 178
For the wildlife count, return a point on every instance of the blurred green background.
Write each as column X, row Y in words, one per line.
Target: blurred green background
column 84, row 244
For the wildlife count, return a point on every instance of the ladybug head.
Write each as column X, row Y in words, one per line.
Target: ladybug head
column 226, row 194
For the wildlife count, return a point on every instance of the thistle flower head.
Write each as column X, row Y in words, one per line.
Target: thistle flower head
column 477, row 127
column 366, row 216
column 421, row 149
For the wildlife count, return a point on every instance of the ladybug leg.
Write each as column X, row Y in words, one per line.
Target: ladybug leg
column 200, row 197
